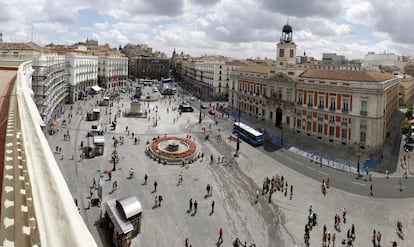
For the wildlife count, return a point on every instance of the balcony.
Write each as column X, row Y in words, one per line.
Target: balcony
column 345, row 110
column 332, row 108
column 321, row 107
column 38, row 215
column 310, row 105
column 363, row 113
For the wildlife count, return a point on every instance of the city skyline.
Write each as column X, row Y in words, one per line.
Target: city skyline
column 248, row 29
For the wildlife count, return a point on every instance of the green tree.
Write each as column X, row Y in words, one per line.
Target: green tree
column 406, row 128
column 409, row 113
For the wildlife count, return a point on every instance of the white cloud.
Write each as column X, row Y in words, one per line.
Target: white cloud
column 250, row 28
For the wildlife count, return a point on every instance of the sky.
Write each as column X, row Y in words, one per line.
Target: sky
column 233, row 28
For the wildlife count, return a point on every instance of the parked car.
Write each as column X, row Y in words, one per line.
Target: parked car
column 212, row 112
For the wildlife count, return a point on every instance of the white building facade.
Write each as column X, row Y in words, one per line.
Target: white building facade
column 112, row 71
column 83, row 74
column 49, row 84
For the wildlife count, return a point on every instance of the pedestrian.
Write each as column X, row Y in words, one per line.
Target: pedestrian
column 353, row 232
column 208, row 189
column 220, row 239
column 386, row 174
column 160, row 198
column 110, row 175
column 195, row 206
column 187, row 243
column 370, row 189
column 379, row 238
column 333, row 239
column 76, row 203
column 131, row 172
column 145, row 178
column 191, row 204
column 257, row 196
column 115, row 185
column 374, row 237
column 94, row 183
column 155, row 185
column 211, row 159
column 343, row 215
column 212, row 206
column 156, row 201
column 89, row 203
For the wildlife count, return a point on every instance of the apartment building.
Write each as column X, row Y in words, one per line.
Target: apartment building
column 83, row 74
column 112, row 71
column 49, row 84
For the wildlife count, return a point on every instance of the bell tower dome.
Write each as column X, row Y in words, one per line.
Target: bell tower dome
column 286, row 48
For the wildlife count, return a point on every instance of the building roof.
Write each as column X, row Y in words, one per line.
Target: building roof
column 20, row 46
column 255, row 69
column 347, row 75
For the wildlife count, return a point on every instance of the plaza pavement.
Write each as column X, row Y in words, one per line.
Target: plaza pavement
column 279, row 223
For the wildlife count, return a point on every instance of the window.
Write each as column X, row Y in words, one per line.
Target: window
column 299, row 123
column 364, row 107
column 264, row 92
column 331, row 130
column 332, row 103
column 300, row 98
column 279, row 93
column 344, row 133
column 320, row 127
column 289, row 96
column 332, row 119
column 291, row 53
column 251, row 89
column 345, row 105
column 362, row 137
column 320, row 117
column 281, row 53
column 310, row 100
column 309, row 126
column 321, row 102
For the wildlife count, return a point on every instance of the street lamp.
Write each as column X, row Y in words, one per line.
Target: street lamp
column 156, row 117
column 199, row 117
column 358, row 154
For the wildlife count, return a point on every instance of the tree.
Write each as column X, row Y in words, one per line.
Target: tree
column 409, row 113
column 406, row 128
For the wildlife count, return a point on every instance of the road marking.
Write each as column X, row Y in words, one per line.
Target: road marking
column 300, row 163
column 313, row 169
column 359, row 183
column 324, row 173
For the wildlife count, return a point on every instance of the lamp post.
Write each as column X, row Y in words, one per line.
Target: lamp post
column 156, row 118
column 199, row 117
column 358, row 154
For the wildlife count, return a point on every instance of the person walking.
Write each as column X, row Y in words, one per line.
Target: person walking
column 191, row 204
column 212, row 207
column 145, row 178
column 257, row 196
column 220, row 239
column 379, row 238
column 110, row 175
column 370, row 189
column 195, row 206
column 160, row 199
column 155, row 186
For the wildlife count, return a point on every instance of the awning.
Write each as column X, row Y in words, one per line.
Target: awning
column 99, row 140
column 96, row 88
column 130, row 206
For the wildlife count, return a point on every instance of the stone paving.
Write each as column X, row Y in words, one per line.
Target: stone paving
column 234, row 182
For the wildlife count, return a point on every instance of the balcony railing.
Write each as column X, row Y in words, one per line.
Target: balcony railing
column 39, row 209
column 363, row 113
